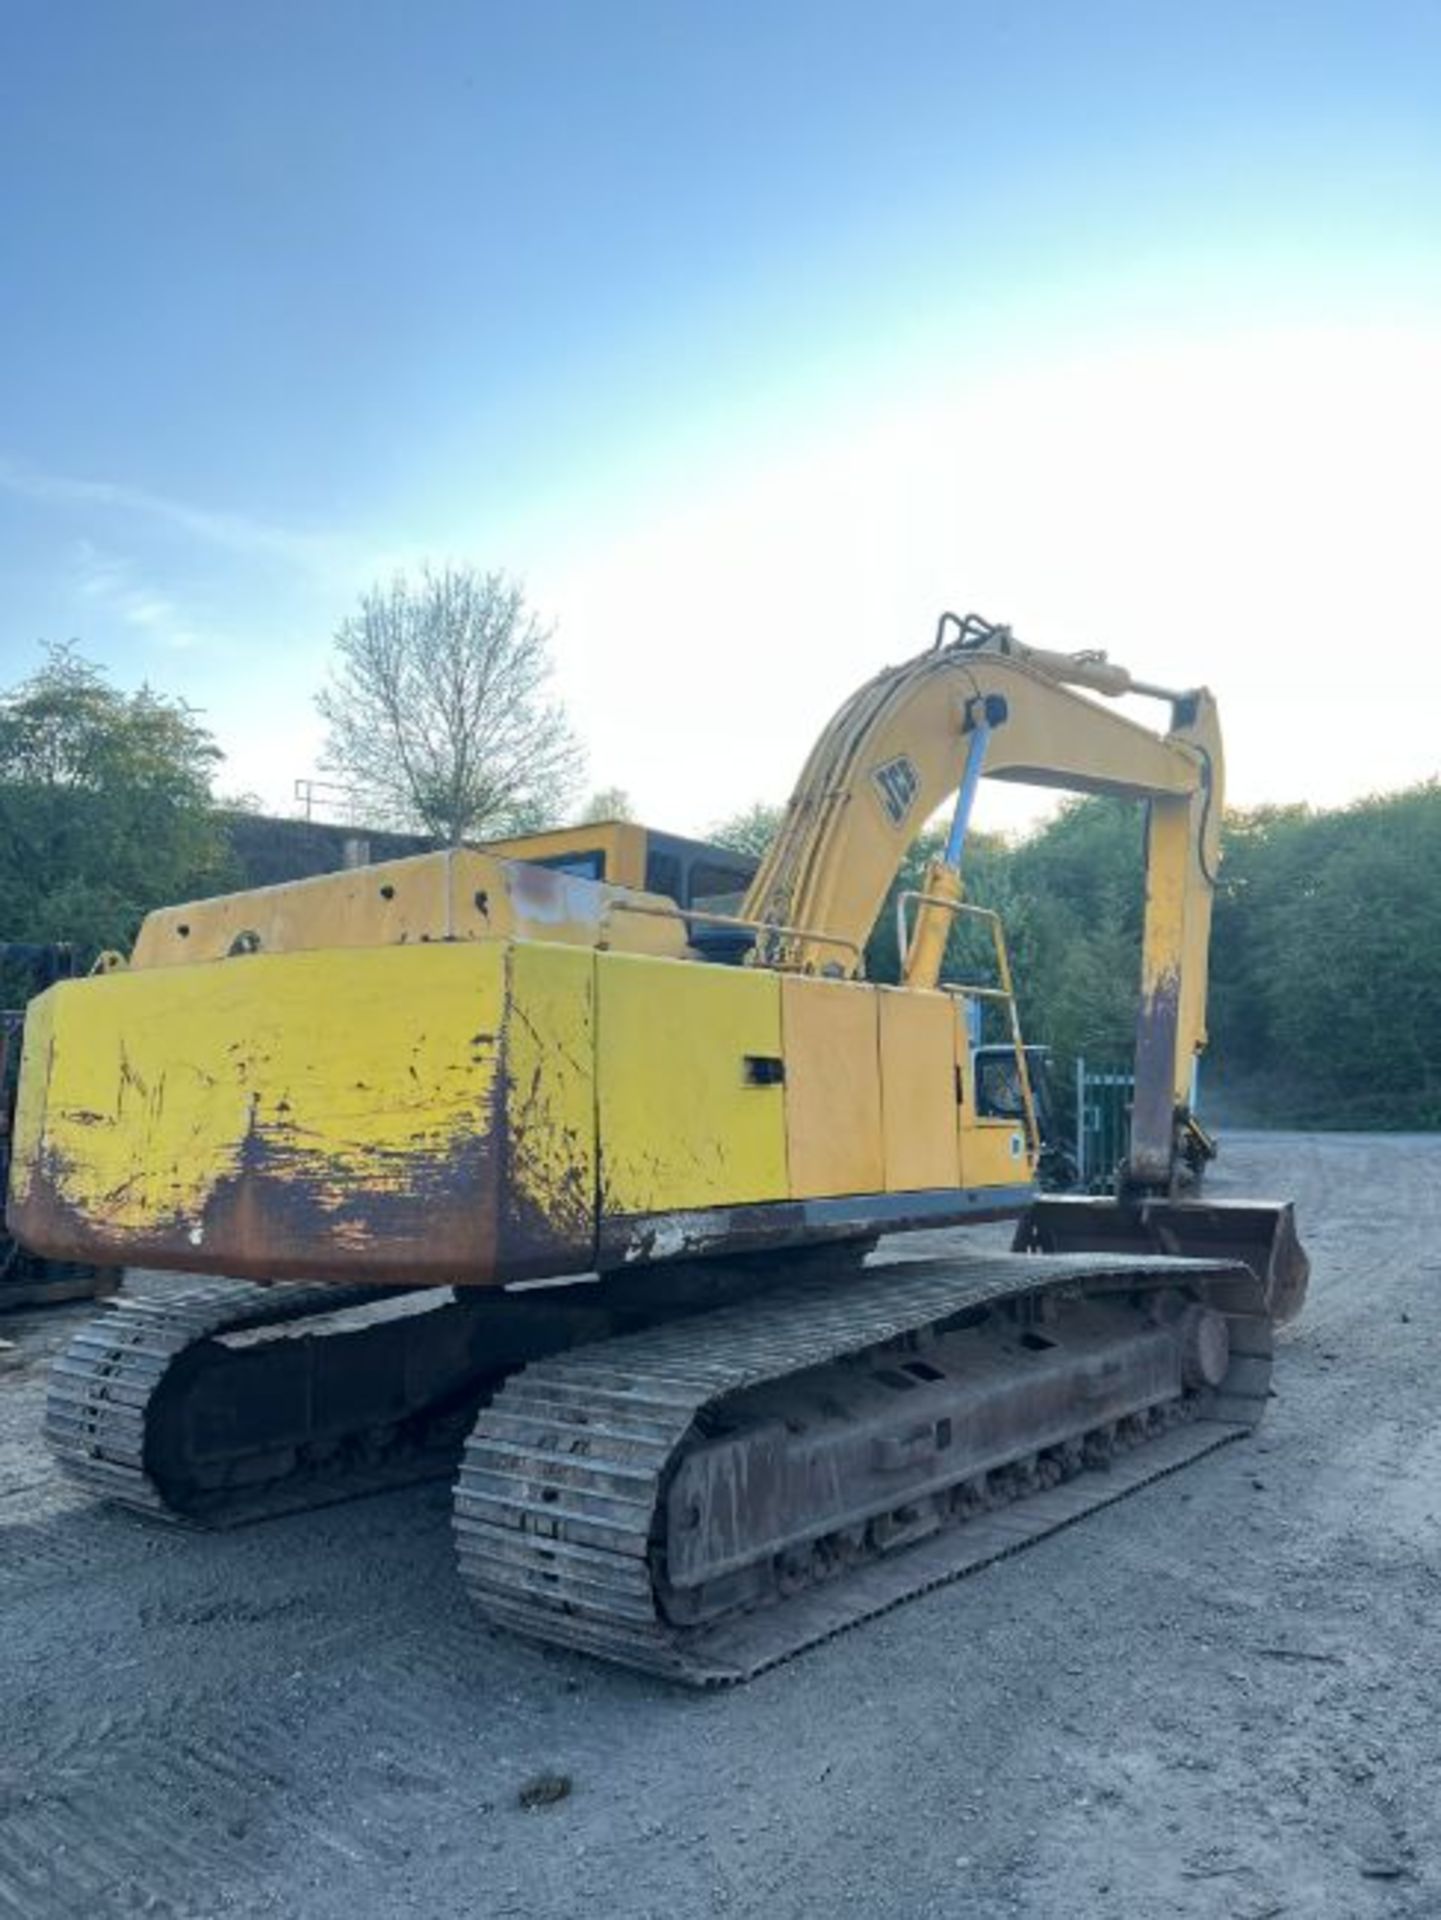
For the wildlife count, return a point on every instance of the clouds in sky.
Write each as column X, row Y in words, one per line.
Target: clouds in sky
column 1249, row 508
column 235, row 532
column 109, row 582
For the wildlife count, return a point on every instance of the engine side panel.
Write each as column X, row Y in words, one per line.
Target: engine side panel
column 918, row 1089
column 692, row 1098
column 833, row 1087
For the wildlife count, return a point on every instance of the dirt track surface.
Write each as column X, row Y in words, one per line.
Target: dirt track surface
column 1221, row 1697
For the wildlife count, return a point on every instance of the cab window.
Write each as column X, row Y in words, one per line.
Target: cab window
column 663, row 875
column 586, row 865
column 998, row 1087
column 717, row 884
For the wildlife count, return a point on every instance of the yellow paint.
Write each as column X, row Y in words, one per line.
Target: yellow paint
column 918, row 1089
column 941, row 890
column 993, row 1153
column 1178, row 926
column 348, row 1064
column 550, row 1084
column 1166, row 880
column 596, row 1078
column 452, row 896
column 679, row 1126
column 833, row 1089
column 359, row 1075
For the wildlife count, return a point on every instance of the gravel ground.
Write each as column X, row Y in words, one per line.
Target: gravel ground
column 1217, row 1698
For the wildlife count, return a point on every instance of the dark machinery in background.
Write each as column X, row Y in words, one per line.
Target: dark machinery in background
column 26, row 1279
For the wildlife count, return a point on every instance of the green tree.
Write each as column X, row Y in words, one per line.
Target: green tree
column 1328, row 961
column 105, row 806
column 751, row 830
column 1074, row 901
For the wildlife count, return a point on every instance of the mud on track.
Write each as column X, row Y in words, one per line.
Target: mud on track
column 1221, row 1697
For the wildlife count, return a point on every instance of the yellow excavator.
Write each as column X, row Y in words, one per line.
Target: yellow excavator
column 578, row 1179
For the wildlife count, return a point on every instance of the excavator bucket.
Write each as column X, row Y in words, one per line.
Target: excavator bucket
column 1262, row 1233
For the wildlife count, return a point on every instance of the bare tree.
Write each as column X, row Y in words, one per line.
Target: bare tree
column 438, row 707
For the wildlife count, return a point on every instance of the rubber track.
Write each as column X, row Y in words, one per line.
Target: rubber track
column 102, row 1385
column 565, row 1471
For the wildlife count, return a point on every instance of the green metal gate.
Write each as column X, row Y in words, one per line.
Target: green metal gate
column 1103, row 1123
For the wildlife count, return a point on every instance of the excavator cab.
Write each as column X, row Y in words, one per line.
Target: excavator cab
column 999, row 1096
column 693, row 873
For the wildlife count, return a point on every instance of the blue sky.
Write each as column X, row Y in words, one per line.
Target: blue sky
column 748, row 335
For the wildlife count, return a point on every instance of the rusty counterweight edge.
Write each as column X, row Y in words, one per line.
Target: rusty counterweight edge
column 614, row 1418
column 485, row 1248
